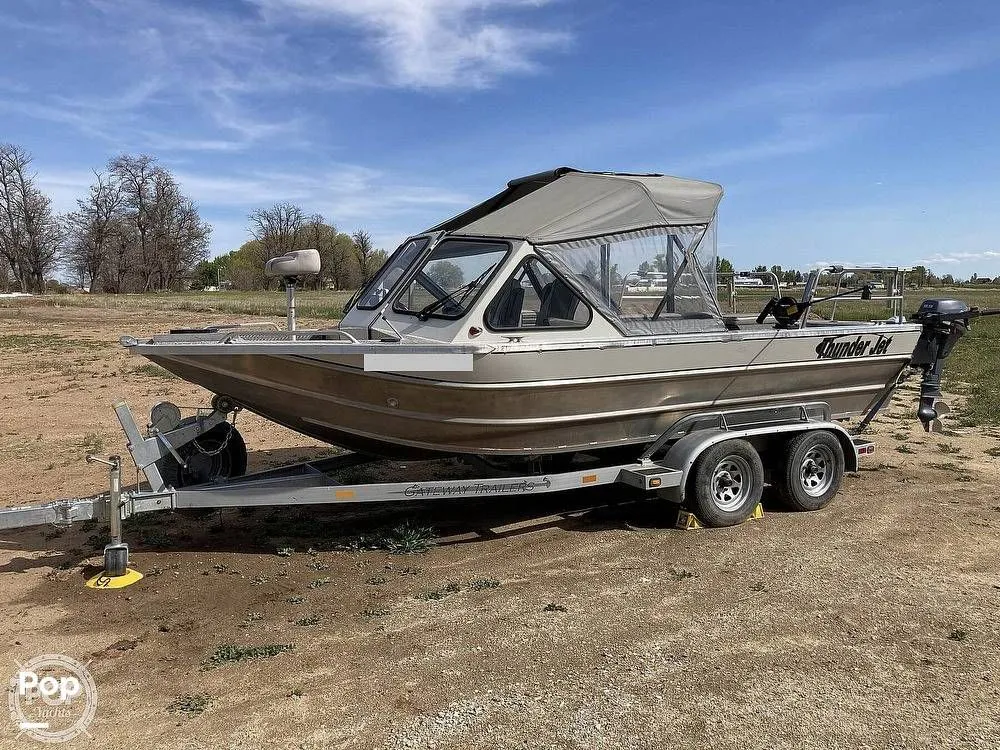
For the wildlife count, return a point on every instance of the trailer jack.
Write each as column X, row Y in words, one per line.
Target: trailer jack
column 116, row 573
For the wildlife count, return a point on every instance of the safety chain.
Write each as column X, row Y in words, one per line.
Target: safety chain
column 225, row 443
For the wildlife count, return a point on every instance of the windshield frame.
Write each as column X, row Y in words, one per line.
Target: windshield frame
column 474, row 295
column 431, row 242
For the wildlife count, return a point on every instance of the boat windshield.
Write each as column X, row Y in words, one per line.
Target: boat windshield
column 451, row 278
column 383, row 282
column 650, row 281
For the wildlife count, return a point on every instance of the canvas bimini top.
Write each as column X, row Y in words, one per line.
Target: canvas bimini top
column 566, row 204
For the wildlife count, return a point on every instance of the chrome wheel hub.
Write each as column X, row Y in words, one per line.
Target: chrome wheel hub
column 731, row 483
column 816, row 471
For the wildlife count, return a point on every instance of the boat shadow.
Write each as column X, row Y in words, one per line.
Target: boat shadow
column 394, row 526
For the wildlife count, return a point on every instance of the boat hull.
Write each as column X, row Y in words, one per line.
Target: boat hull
column 523, row 401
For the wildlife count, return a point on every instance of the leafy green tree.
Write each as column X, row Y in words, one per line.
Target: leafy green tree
column 204, row 274
column 377, row 260
column 723, row 265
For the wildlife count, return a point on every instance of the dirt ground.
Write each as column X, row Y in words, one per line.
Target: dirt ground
column 568, row 623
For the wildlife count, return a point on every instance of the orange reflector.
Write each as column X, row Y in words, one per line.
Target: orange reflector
column 343, row 494
column 654, row 482
column 589, row 478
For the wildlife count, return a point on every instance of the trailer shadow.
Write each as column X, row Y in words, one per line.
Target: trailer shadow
column 395, row 526
column 391, row 526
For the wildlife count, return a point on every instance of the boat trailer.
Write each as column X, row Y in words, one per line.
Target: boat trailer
column 713, row 462
column 666, row 468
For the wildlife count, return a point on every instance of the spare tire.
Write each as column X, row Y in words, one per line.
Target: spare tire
column 215, row 456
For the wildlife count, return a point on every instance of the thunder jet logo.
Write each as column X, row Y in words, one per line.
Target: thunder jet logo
column 842, row 347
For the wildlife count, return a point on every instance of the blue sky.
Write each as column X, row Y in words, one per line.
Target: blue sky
column 842, row 132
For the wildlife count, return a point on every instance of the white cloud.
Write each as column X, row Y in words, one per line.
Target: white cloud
column 435, row 43
column 64, row 187
column 227, row 66
column 797, row 134
column 825, row 89
column 390, row 207
column 959, row 257
column 341, row 192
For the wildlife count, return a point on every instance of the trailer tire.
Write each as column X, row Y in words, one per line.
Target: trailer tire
column 812, row 471
column 726, row 483
column 222, row 455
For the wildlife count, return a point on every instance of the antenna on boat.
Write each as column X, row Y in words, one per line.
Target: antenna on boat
column 289, row 267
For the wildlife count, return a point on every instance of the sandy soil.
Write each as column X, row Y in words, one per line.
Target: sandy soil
column 870, row 624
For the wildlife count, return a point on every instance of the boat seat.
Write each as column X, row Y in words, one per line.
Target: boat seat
column 295, row 263
column 558, row 302
column 506, row 310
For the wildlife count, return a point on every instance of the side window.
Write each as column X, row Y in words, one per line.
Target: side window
column 533, row 297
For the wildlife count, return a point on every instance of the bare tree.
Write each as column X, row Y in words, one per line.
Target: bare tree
column 12, row 233
column 91, row 230
column 45, row 238
column 136, row 230
column 363, row 248
column 121, row 256
column 136, row 177
column 187, row 242
column 30, row 234
column 279, row 229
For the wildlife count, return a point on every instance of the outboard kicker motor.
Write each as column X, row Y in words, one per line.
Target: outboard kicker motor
column 945, row 321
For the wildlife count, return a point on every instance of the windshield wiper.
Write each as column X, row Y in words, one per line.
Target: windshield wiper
column 467, row 288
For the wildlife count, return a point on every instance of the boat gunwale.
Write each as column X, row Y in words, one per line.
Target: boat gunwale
column 514, row 344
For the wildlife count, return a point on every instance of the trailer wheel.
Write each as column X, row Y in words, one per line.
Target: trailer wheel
column 812, row 472
column 219, row 454
column 727, row 483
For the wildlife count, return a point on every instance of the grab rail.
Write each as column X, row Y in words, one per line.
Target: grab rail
column 245, row 338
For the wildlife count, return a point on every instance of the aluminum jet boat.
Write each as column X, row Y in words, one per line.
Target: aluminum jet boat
column 571, row 312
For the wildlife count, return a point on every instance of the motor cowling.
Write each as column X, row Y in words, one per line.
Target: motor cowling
column 944, row 322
